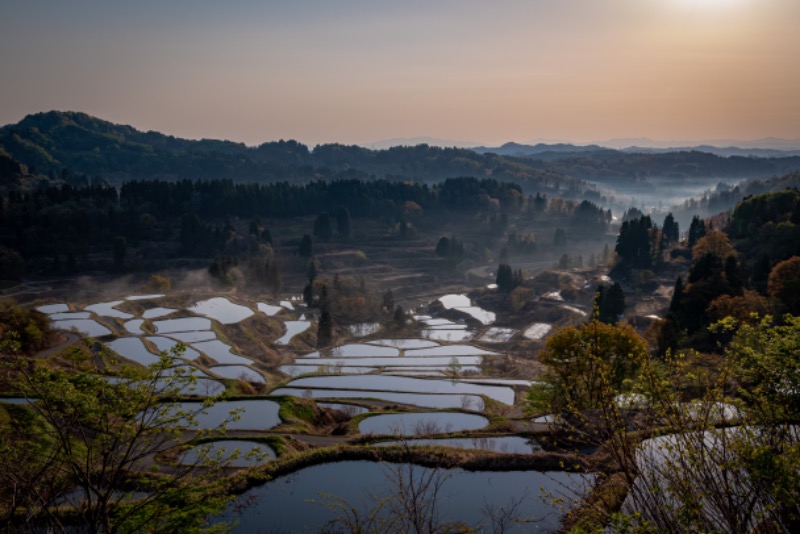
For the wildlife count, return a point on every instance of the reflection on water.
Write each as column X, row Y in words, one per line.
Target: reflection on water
column 292, row 503
column 222, row 310
column 421, row 424
column 504, row 444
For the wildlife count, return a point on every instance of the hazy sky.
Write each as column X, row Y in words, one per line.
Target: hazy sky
column 358, row 71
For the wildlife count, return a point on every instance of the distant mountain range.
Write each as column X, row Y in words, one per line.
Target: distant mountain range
column 559, row 150
column 59, row 145
column 56, row 142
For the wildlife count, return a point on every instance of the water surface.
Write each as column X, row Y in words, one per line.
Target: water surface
column 87, row 327
column 269, row 309
column 133, row 348
column 184, row 324
column 478, row 313
column 297, row 370
column 230, row 453
column 255, row 414
column 220, row 352
column 154, row 313
column 292, row 329
column 448, row 334
column 361, row 350
column 450, row 350
column 53, row 308
column 537, row 331
column 239, row 372
column 405, row 343
column 454, row 301
column 164, row 344
column 191, row 337
column 222, row 310
column 404, row 384
column 350, row 409
column 504, row 444
column 106, row 309
column 293, row 503
column 442, row 402
column 134, row 326
column 405, row 361
column 424, row 423
column 498, row 334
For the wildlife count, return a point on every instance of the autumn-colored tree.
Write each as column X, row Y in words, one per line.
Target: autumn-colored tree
column 714, row 242
column 740, row 307
column 784, row 284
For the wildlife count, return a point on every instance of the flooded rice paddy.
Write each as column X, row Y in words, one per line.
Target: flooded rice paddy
column 503, row 444
column 404, row 384
column 421, row 423
column 229, row 453
column 293, row 328
column 222, row 310
column 441, row 401
column 255, row 414
column 295, row 503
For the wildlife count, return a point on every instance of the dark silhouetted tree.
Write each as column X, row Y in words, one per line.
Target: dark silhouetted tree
column 312, row 271
column 322, row 227
column 343, row 222
column 505, row 278
column 443, row 247
column 670, row 229
column 675, row 304
column 274, row 277
column 697, row 229
column 324, row 330
column 399, row 316
column 306, row 247
column 610, row 303
column 388, row 301
column 120, row 250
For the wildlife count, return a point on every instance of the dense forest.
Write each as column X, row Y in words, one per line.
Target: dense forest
column 742, row 266
column 57, row 229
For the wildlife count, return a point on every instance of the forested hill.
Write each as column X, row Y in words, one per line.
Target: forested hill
column 615, row 167
column 49, row 142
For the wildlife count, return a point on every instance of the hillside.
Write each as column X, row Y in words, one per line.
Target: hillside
column 622, row 167
column 52, row 141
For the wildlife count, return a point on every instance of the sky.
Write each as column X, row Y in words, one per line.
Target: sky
column 363, row 71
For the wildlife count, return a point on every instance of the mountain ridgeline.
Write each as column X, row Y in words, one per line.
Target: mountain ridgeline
column 620, row 167
column 55, row 143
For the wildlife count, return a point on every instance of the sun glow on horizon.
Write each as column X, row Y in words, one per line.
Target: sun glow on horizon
column 708, row 5
column 319, row 72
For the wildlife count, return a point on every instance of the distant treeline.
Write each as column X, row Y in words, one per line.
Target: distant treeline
column 377, row 198
column 66, row 223
column 619, row 168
